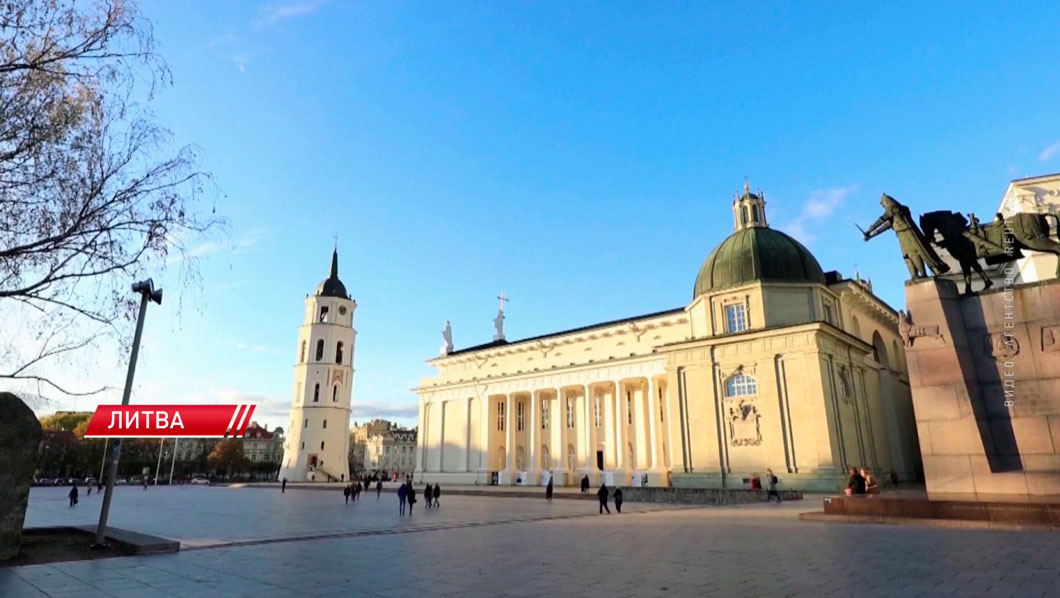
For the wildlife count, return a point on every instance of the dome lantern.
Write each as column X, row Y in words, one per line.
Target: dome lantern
column 749, row 209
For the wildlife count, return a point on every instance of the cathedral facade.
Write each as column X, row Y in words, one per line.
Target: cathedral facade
column 773, row 364
column 316, row 448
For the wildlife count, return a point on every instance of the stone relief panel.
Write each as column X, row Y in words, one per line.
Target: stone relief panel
column 1051, row 339
column 1000, row 346
column 744, row 427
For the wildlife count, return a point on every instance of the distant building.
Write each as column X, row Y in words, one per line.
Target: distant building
column 262, row 446
column 359, row 441
column 393, row 451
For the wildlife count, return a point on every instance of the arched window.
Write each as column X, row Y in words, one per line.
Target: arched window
column 306, row 424
column 316, row 393
column 335, row 393
column 740, row 385
column 320, row 350
column 754, row 214
column 301, row 358
column 321, row 445
column 743, row 215
column 879, row 349
column 303, row 444
column 325, row 424
column 338, row 353
column 855, row 326
column 629, row 408
column 324, row 314
column 570, row 412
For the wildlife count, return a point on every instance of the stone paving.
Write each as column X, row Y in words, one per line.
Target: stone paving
column 479, row 547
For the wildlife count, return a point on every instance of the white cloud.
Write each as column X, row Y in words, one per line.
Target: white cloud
column 1048, row 153
column 275, row 12
column 220, row 40
column 821, row 205
column 241, row 61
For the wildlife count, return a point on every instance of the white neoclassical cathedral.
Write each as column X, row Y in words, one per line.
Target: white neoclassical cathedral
column 317, row 444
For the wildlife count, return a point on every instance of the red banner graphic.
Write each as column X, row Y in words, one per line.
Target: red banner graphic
column 170, row 421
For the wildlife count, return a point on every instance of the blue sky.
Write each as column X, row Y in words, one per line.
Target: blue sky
column 580, row 158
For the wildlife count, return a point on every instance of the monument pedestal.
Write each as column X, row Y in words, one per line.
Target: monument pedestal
column 984, row 371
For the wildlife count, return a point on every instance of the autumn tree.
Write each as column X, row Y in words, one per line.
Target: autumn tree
column 91, row 195
column 228, row 457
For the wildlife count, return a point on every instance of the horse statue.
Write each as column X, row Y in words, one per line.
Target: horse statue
column 958, row 242
column 1001, row 241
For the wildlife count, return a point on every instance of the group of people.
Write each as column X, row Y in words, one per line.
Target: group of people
column 602, row 494
column 863, row 482
column 771, row 485
column 352, row 491
column 407, row 496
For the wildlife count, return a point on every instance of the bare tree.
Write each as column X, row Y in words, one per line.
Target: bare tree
column 86, row 203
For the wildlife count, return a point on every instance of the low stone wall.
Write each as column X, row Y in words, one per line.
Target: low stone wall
column 703, row 496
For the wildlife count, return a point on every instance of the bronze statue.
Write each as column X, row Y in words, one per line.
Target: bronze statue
column 916, row 250
column 962, row 241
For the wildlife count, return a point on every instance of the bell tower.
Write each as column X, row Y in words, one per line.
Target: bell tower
column 316, row 448
column 749, row 209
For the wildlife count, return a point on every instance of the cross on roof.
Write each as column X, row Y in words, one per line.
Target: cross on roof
column 503, row 300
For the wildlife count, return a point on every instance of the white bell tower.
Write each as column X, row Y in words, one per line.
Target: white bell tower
column 317, row 445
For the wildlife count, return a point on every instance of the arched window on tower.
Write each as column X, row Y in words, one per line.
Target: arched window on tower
column 325, row 424
column 316, row 393
column 740, row 384
column 338, row 353
column 320, row 350
column 321, row 445
column 743, row 215
column 324, row 314
column 754, row 214
column 301, row 358
column 335, row 393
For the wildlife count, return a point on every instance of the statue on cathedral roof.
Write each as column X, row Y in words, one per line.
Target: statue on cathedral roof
column 447, row 334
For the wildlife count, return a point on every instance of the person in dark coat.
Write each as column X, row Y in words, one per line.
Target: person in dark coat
column 856, row 485
column 378, row 488
column 436, row 493
column 427, row 494
column 73, row 496
column 347, row 491
column 602, row 493
column 402, row 496
column 411, row 496
column 548, row 490
column 585, row 484
column 283, row 486
column 618, row 499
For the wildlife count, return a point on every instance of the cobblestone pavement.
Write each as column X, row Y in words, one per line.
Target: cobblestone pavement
column 749, row 550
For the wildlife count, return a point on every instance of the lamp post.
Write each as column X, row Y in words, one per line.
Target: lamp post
column 173, row 463
column 161, row 449
column 146, row 289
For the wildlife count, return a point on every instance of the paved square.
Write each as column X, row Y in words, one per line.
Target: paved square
column 524, row 547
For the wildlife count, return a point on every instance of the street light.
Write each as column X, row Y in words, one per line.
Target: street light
column 147, row 291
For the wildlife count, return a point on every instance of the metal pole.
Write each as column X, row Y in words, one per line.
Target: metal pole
column 103, row 461
column 161, row 446
column 173, row 463
column 105, row 510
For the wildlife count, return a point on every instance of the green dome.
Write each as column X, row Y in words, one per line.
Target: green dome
column 757, row 254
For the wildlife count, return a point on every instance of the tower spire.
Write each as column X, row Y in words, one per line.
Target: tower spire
column 334, row 263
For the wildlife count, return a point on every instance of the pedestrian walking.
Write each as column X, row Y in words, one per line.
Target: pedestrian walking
column 378, row 489
column 73, row 495
column 427, row 494
column 772, row 481
column 617, row 494
column 436, row 493
column 585, row 483
column 411, row 496
column 88, row 489
column 602, row 494
column 283, row 486
column 347, row 491
column 402, row 495
column 548, row 489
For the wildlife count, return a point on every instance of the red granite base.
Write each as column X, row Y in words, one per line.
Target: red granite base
column 1023, row 513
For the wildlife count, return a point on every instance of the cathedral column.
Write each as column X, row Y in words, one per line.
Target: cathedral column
column 421, row 433
column 509, row 432
column 621, row 431
column 484, row 435
column 590, row 424
column 558, row 421
column 441, row 436
column 532, row 435
column 610, row 431
column 652, row 389
column 468, row 437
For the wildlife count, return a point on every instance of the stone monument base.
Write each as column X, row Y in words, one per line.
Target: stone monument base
column 984, row 371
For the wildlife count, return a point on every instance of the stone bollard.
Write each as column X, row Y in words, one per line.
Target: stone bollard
column 19, row 441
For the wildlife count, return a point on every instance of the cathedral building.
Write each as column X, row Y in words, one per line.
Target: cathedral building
column 316, row 447
column 773, row 364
